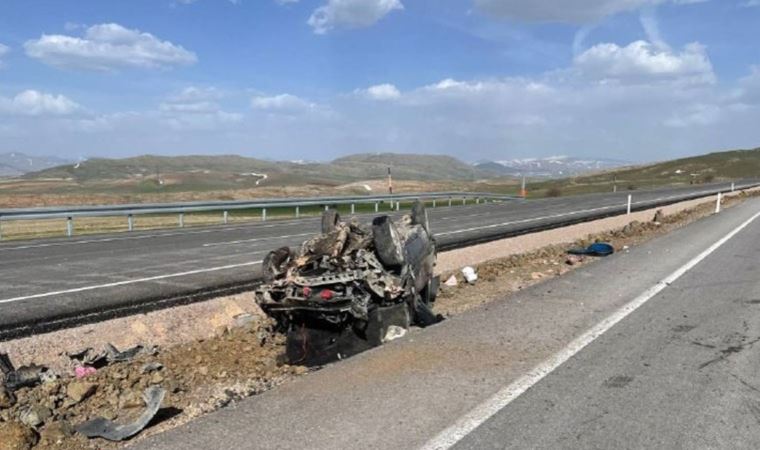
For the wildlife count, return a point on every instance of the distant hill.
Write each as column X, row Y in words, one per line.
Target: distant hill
column 495, row 169
column 718, row 165
column 150, row 165
column 225, row 171
column 405, row 166
column 16, row 163
column 549, row 167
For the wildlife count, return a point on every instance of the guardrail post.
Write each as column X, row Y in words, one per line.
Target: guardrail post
column 298, row 212
column 130, row 222
column 181, row 220
column 353, row 208
column 377, row 206
column 449, row 202
column 628, row 210
column 263, row 214
column 433, row 203
column 398, row 205
column 477, row 200
column 717, row 203
column 464, row 201
column 225, row 217
column 69, row 226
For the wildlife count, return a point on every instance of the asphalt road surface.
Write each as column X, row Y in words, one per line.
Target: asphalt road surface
column 673, row 364
column 46, row 280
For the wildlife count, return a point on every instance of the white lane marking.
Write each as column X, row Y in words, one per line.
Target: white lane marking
column 243, row 241
column 556, row 216
column 126, row 282
column 253, row 225
column 481, row 413
column 533, row 219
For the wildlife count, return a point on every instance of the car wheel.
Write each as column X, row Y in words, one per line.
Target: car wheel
column 273, row 264
column 420, row 215
column 387, row 242
column 330, row 219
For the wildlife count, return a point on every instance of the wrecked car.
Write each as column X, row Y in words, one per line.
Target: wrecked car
column 353, row 286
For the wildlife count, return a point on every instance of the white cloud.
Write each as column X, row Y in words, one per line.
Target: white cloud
column 282, row 103
column 35, row 103
column 351, row 13
column 108, row 47
column 643, row 60
column 380, row 92
column 698, row 114
column 195, row 93
column 197, row 108
column 566, row 11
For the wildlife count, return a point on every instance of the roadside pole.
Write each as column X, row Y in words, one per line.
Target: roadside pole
column 717, row 203
column 628, row 209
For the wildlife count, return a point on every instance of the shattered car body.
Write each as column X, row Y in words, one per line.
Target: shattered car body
column 351, row 287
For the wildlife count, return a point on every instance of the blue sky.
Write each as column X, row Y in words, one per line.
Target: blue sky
column 314, row 79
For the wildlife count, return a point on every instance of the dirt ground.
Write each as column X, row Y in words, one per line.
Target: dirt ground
column 498, row 278
column 240, row 358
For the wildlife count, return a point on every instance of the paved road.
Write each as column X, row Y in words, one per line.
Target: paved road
column 680, row 371
column 65, row 278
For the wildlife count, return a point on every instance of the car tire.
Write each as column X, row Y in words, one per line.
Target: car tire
column 420, row 215
column 387, row 242
column 272, row 265
column 330, row 219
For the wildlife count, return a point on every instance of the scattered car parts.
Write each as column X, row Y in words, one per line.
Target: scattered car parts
column 25, row 376
column 101, row 427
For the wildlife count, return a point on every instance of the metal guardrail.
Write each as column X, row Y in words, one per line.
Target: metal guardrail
column 181, row 208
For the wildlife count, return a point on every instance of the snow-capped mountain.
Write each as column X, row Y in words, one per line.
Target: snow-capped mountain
column 549, row 167
column 17, row 163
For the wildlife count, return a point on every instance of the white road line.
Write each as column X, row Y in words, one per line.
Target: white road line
column 148, row 236
column 243, row 241
column 464, row 426
column 126, row 282
column 555, row 216
column 533, row 219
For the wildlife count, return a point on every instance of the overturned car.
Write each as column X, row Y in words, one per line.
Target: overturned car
column 351, row 287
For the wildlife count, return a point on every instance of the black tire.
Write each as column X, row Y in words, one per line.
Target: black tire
column 330, row 219
column 273, row 264
column 387, row 242
column 420, row 216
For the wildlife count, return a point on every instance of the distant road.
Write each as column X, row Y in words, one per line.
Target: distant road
column 46, row 280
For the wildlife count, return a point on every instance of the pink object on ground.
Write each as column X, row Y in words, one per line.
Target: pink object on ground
column 84, row 371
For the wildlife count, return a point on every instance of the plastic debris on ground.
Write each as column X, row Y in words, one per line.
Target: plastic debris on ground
column 452, row 281
column 595, row 249
column 470, row 275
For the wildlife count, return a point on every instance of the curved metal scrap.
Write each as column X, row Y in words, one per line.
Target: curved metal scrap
column 101, row 427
